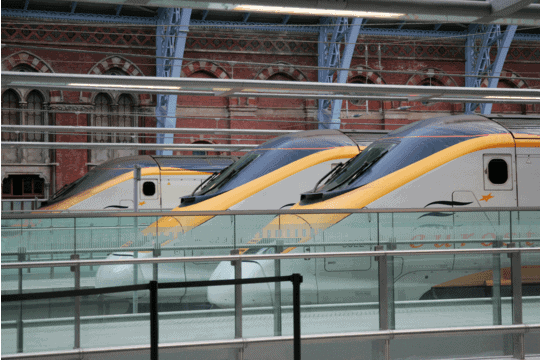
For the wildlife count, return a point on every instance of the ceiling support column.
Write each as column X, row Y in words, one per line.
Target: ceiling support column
column 329, row 47
column 478, row 61
column 172, row 29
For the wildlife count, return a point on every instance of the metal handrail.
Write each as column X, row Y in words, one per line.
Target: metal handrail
column 219, row 258
column 52, row 214
column 239, row 246
column 153, row 286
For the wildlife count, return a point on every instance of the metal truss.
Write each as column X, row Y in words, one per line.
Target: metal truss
column 171, row 31
column 478, row 58
column 329, row 50
column 238, row 25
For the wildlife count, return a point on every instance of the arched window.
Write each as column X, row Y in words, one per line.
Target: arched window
column 125, row 117
column 35, row 115
column 10, row 113
column 102, row 116
column 200, row 152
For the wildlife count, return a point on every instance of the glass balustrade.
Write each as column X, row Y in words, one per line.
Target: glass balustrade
column 338, row 294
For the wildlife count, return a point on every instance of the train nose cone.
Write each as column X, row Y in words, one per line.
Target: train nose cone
column 252, row 295
column 118, row 274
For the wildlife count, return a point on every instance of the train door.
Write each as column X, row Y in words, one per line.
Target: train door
column 528, row 176
column 148, row 194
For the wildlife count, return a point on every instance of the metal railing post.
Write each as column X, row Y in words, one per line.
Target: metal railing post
column 496, row 295
column 154, row 323
column 135, row 281
column 20, row 257
column 517, row 302
column 237, row 296
column 77, row 270
column 155, row 253
column 297, row 280
column 277, row 291
column 381, row 348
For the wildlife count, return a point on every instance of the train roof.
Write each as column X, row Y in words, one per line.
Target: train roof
column 519, row 125
column 116, row 167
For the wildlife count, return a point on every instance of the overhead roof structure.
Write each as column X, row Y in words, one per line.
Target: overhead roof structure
column 511, row 12
column 266, row 88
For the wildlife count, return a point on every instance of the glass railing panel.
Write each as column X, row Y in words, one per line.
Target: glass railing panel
column 451, row 347
column 261, row 230
column 45, row 325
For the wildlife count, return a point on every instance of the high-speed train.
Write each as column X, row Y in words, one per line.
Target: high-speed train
column 111, row 185
column 449, row 162
column 270, row 176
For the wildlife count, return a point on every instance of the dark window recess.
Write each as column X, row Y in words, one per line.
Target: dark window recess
column 498, row 171
column 148, row 188
column 22, row 186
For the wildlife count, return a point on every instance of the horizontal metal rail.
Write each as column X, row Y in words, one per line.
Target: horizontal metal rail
column 118, row 289
column 137, row 146
column 306, row 339
column 219, row 258
column 146, row 130
column 244, row 246
column 44, row 214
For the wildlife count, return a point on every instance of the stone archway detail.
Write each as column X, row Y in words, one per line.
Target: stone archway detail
column 282, row 68
column 119, row 62
column 366, row 73
column 512, row 77
column 432, row 73
column 35, row 62
column 206, row 66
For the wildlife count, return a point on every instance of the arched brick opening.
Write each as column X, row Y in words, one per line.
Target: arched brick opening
column 510, row 80
column 431, row 77
column 26, row 58
column 208, row 67
column 115, row 62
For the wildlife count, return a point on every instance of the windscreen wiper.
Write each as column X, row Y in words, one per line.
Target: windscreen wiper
column 228, row 177
column 210, row 178
column 360, row 170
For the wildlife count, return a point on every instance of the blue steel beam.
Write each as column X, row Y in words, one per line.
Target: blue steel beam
column 73, row 6
column 172, row 29
column 118, row 9
column 478, row 60
column 329, row 113
column 135, row 20
column 499, row 63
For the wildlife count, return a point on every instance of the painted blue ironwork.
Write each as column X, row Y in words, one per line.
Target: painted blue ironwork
column 83, row 17
column 478, row 59
column 246, row 17
column 122, row 19
column 73, row 6
column 26, row 3
column 286, row 19
column 437, row 27
column 118, row 9
column 172, row 28
column 329, row 46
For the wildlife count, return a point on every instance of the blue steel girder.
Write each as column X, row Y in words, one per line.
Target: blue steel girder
column 329, row 51
column 123, row 19
column 171, row 31
column 478, row 60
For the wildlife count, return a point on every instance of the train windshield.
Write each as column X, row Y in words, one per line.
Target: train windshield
column 347, row 173
column 218, row 180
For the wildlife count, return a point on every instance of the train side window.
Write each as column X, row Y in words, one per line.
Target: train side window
column 498, row 171
column 149, row 188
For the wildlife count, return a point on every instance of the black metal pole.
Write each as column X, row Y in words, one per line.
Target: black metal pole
column 297, row 279
column 154, row 326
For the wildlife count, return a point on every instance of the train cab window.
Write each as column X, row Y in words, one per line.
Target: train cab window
column 149, row 188
column 497, row 171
